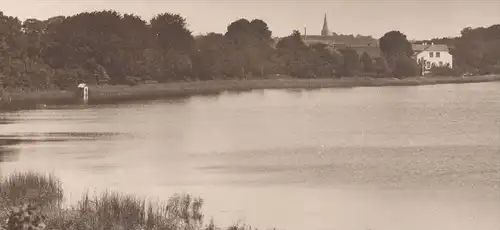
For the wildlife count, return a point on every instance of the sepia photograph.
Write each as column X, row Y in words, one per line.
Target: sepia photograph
column 249, row 115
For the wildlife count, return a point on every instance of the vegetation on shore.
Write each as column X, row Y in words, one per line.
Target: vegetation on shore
column 120, row 93
column 35, row 201
column 105, row 47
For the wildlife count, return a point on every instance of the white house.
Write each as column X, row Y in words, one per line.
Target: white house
column 432, row 55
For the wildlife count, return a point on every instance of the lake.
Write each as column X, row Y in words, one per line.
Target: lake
column 390, row 158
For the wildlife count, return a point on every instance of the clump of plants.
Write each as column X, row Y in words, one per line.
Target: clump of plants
column 33, row 201
column 25, row 217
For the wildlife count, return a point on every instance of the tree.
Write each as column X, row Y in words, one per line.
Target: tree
column 34, row 31
column 261, row 32
column 394, row 44
column 405, row 67
column 108, row 47
column 292, row 42
column 13, row 50
column 381, row 67
column 367, row 62
column 325, row 60
column 209, row 58
column 294, row 56
column 252, row 42
column 350, row 66
column 172, row 33
column 477, row 50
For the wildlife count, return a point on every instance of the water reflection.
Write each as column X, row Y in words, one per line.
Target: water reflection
column 10, row 144
column 396, row 157
column 56, row 137
column 4, row 120
column 8, row 154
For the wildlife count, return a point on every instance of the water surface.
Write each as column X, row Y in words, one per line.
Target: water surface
column 390, row 158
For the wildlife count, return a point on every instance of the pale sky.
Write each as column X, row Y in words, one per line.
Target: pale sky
column 418, row 19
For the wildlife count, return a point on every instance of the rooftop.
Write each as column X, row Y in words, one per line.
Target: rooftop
column 429, row 47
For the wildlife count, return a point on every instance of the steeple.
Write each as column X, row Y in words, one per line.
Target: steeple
column 325, row 31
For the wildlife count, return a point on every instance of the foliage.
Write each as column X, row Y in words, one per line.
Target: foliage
column 381, row 67
column 367, row 63
column 106, row 47
column 445, row 71
column 476, row 51
column 395, row 45
column 405, row 67
column 25, row 217
column 22, row 188
column 37, row 210
column 350, row 65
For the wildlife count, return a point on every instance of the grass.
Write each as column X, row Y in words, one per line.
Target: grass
column 117, row 93
column 21, row 188
column 31, row 199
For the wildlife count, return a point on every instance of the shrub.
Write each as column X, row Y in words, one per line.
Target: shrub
column 25, row 217
column 405, row 67
column 381, row 67
column 445, row 71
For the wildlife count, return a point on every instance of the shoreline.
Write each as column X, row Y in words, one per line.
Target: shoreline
column 121, row 93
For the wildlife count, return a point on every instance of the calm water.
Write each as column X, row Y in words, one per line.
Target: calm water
column 366, row 158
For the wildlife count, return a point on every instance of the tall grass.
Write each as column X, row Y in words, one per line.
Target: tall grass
column 111, row 210
column 30, row 188
column 25, row 198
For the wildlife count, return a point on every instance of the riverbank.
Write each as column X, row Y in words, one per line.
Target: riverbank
column 36, row 201
column 119, row 93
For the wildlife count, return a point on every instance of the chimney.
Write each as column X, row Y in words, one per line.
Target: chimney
column 305, row 31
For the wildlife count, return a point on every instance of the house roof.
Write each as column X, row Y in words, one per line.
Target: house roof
column 317, row 37
column 430, row 47
column 336, row 39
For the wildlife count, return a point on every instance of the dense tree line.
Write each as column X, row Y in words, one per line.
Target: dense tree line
column 105, row 47
column 476, row 50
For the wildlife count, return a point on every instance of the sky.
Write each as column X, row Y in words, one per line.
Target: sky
column 418, row 19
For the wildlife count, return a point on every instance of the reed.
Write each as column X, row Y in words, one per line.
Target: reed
column 34, row 201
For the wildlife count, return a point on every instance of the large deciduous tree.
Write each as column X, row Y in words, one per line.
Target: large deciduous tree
column 394, row 44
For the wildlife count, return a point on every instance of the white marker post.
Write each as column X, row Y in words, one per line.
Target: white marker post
column 85, row 89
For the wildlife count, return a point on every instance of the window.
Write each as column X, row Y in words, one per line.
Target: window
column 431, row 54
column 440, row 63
column 427, row 64
column 438, row 54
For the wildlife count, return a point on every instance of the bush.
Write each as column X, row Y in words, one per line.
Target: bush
column 25, row 217
column 445, row 71
column 381, row 67
column 405, row 67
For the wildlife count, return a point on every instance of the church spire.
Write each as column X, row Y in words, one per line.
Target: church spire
column 325, row 31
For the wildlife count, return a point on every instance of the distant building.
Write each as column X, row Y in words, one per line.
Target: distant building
column 431, row 55
column 360, row 43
